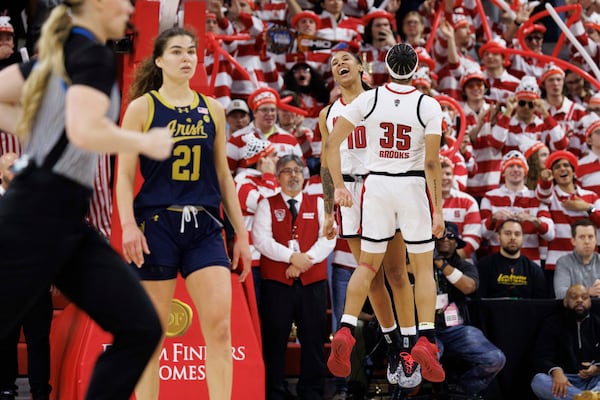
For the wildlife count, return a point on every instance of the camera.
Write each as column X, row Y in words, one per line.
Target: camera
column 123, row 45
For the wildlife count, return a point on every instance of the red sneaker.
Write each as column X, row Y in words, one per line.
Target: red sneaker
column 426, row 354
column 341, row 348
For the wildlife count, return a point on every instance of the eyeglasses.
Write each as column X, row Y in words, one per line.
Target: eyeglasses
column 522, row 103
column 536, row 38
column 290, row 171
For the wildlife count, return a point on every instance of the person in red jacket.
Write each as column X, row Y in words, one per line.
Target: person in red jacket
column 287, row 231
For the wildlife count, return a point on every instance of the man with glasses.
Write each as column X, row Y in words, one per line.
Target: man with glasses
column 288, row 232
column 525, row 119
column 534, row 39
column 455, row 280
column 264, row 103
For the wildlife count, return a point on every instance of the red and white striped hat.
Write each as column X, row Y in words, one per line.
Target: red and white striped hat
column 5, row 25
column 595, row 99
column 528, row 89
column 551, row 69
column 593, row 21
column 422, row 77
column 594, row 126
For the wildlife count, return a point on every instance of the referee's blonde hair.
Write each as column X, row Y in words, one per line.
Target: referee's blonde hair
column 55, row 31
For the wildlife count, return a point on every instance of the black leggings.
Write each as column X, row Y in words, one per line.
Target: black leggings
column 44, row 240
column 36, row 328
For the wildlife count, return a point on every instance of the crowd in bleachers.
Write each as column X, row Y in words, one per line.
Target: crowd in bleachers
column 504, row 95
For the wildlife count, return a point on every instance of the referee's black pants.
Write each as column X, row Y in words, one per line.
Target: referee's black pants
column 44, row 240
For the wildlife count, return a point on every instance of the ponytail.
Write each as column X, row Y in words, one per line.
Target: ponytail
column 50, row 61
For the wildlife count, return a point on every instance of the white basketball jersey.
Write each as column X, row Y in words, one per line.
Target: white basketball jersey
column 397, row 118
column 354, row 149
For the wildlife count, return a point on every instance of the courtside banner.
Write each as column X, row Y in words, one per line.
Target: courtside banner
column 76, row 343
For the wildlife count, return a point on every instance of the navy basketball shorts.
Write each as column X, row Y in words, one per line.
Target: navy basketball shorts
column 179, row 244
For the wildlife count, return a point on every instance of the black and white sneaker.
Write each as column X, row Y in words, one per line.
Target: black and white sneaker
column 393, row 360
column 409, row 371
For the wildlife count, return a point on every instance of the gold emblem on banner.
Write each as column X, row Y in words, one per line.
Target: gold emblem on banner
column 180, row 318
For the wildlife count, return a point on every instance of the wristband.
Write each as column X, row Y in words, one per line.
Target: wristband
column 590, row 210
column 454, row 276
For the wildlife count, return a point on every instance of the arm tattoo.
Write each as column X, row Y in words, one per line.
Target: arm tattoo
column 328, row 189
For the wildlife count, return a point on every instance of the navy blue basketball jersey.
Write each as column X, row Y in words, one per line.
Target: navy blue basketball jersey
column 189, row 176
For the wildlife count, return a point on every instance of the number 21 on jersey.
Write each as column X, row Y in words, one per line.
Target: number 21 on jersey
column 186, row 167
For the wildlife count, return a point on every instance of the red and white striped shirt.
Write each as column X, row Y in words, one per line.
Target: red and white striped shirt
column 9, row 144
column 571, row 117
column 252, row 186
column 521, row 66
column 449, row 77
column 487, row 159
column 345, row 29
column 342, row 255
column 374, row 60
column 501, row 87
column 462, row 209
column 313, row 185
column 511, row 133
column 224, row 79
column 588, row 173
column 316, row 59
column 274, row 11
column 517, row 202
column 257, row 63
column 553, row 196
column 100, row 212
column 590, row 46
